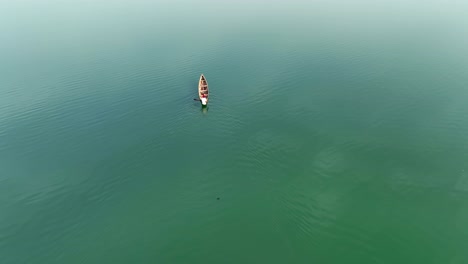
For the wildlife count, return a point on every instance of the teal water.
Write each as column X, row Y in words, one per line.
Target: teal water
column 337, row 132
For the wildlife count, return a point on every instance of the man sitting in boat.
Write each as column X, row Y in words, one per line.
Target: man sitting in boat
column 203, row 99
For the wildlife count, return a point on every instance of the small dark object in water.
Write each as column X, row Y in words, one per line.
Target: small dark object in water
column 217, row 198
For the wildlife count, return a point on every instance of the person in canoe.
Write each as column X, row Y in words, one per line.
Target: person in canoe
column 203, row 99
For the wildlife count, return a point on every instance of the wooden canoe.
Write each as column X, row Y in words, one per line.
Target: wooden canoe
column 203, row 93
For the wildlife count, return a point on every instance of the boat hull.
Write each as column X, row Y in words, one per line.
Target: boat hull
column 203, row 92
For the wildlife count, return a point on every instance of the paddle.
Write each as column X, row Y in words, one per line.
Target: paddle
column 196, row 99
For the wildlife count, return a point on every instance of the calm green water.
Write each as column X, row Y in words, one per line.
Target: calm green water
column 337, row 132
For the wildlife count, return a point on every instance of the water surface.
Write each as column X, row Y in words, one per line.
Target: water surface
column 337, row 132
